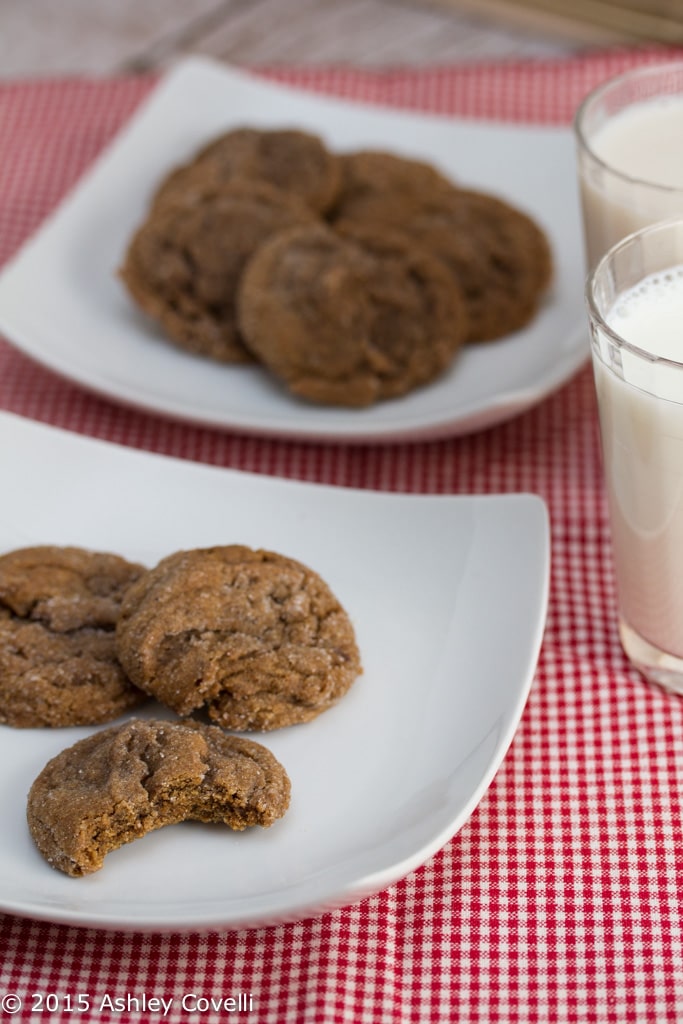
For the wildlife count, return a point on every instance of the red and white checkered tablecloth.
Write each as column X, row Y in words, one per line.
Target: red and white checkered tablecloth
column 560, row 900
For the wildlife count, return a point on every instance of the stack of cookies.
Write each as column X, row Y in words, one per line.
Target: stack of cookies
column 248, row 639
column 351, row 278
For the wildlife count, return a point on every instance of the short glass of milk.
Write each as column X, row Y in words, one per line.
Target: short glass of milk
column 635, row 308
column 629, row 137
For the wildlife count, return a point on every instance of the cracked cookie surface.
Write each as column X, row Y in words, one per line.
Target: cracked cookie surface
column 58, row 612
column 371, row 178
column 295, row 161
column 498, row 255
column 257, row 639
column 350, row 318
column 117, row 785
column 184, row 263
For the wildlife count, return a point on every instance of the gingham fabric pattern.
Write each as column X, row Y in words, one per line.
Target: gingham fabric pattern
column 560, row 900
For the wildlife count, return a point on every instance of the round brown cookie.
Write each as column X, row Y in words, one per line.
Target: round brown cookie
column 184, row 263
column 350, row 319
column 371, row 177
column 292, row 160
column 58, row 611
column 500, row 257
column 121, row 783
column 256, row 638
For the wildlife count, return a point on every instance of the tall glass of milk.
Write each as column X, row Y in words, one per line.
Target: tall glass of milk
column 635, row 308
column 629, row 136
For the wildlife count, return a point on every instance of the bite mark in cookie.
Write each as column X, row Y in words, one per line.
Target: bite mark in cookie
column 117, row 785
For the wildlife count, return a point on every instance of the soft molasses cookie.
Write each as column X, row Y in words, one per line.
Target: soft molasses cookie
column 294, row 161
column 375, row 177
column 184, row 263
column 350, row 319
column 499, row 255
column 58, row 612
column 257, row 639
column 121, row 783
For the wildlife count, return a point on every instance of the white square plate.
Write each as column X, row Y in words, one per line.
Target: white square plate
column 448, row 598
column 81, row 324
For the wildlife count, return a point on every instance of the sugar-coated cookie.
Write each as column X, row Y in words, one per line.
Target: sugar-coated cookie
column 350, row 318
column 120, row 783
column 58, row 612
column 372, row 177
column 498, row 255
column 184, row 263
column 257, row 639
column 294, row 161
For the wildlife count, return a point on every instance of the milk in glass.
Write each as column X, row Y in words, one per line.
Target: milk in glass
column 641, row 418
column 637, row 178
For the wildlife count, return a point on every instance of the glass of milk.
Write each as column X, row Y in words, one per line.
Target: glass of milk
column 629, row 137
column 635, row 307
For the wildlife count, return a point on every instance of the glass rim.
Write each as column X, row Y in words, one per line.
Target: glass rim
column 599, row 91
column 601, row 269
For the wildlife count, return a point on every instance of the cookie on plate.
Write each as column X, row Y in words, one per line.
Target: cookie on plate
column 257, row 639
column 58, row 612
column 184, row 263
column 499, row 256
column 372, row 177
column 121, row 783
column 350, row 319
column 294, row 161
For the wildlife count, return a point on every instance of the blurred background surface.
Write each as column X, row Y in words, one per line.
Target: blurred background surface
column 104, row 37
